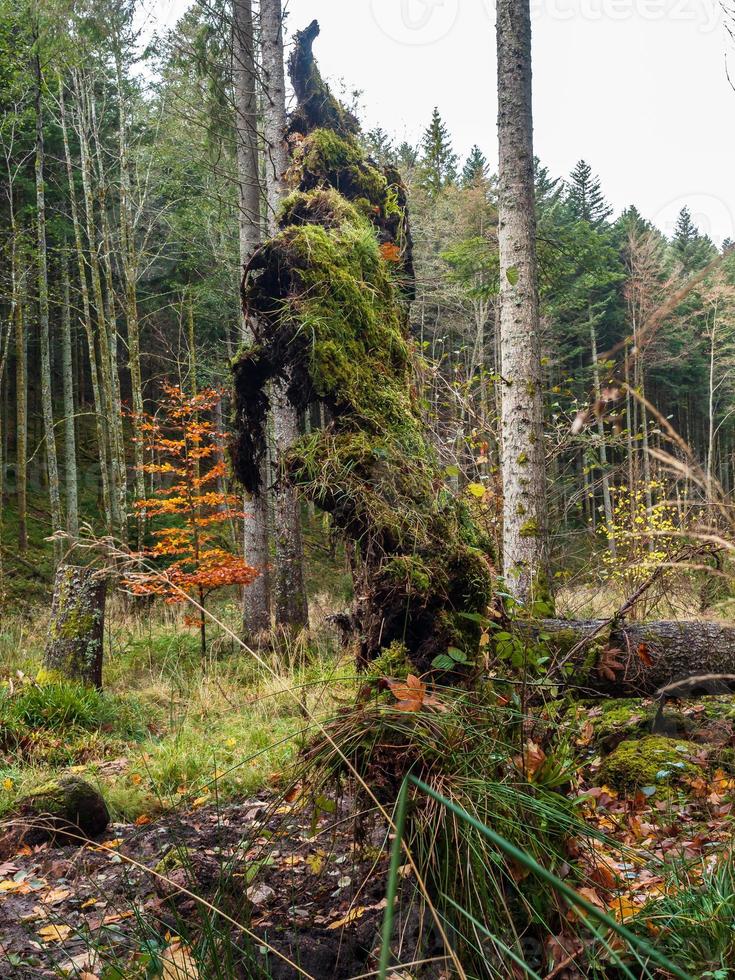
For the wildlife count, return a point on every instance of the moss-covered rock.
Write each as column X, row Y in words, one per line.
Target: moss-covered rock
column 64, row 810
column 653, row 761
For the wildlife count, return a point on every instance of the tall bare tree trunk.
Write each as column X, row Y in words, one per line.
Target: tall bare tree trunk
column 99, row 409
column 43, row 311
column 117, row 440
column 256, row 545
column 606, row 496
column 70, row 445
column 130, row 262
column 21, row 424
column 102, row 339
column 274, row 105
column 291, row 606
column 525, row 533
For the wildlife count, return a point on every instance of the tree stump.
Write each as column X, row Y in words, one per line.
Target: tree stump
column 75, row 647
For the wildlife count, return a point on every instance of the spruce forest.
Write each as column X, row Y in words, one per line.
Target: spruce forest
column 367, row 518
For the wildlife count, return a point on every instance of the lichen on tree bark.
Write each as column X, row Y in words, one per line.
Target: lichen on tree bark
column 74, row 649
column 329, row 295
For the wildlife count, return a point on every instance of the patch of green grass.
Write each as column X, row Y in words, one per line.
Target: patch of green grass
column 167, row 730
column 694, row 925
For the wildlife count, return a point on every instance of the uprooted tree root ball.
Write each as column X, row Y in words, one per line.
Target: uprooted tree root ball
column 328, row 298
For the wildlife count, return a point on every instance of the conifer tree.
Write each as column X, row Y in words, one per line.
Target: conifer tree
column 438, row 161
column 584, row 196
column 406, row 159
column 692, row 249
column 475, row 168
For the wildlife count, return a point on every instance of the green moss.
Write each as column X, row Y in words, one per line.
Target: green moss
column 69, row 802
column 393, row 661
column 529, row 528
column 409, row 571
column 621, row 717
column 333, row 313
column 651, row 761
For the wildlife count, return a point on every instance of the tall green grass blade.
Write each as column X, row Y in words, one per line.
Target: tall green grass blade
column 635, row 943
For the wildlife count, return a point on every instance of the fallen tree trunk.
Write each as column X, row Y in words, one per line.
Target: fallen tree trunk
column 624, row 659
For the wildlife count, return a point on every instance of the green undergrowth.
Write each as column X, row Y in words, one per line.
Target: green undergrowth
column 466, row 750
column 164, row 732
column 693, row 925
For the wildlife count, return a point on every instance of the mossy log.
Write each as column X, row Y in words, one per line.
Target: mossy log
column 328, row 300
column 637, row 659
column 76, row 632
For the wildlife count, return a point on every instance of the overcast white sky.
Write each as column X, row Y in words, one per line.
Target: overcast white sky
column 637, row 87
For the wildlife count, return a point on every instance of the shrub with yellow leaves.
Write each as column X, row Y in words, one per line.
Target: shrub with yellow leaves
column 644, row 531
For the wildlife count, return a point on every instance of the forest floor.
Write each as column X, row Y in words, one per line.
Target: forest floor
column 218, row 864
column 282, row 889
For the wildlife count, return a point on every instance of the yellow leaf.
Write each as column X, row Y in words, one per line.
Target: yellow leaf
column 178, row 963
column 11, row 886
column 476, row 489
column 109, row 919
column 315, row 862
column 352, row 916
column 89, row 903
column 54, row 933
column 55, row 895
column 624, row 908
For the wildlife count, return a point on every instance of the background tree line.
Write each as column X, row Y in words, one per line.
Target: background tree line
column 136, row 180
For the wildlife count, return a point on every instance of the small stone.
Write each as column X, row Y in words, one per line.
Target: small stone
column 260, row 894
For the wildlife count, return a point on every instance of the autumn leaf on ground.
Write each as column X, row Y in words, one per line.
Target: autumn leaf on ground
column 54, row 933
column 624, row 909
column 532, row 760
column 55, row 895
column 412, row 695
column 178, row 963
column 352, row 916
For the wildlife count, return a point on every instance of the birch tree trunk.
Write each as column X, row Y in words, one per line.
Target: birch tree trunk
column 256, row 545
column 525, row 535
column 274, row 105
column 291, row 606
column 99, row 411
column 43, row 316
column 70, row 445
